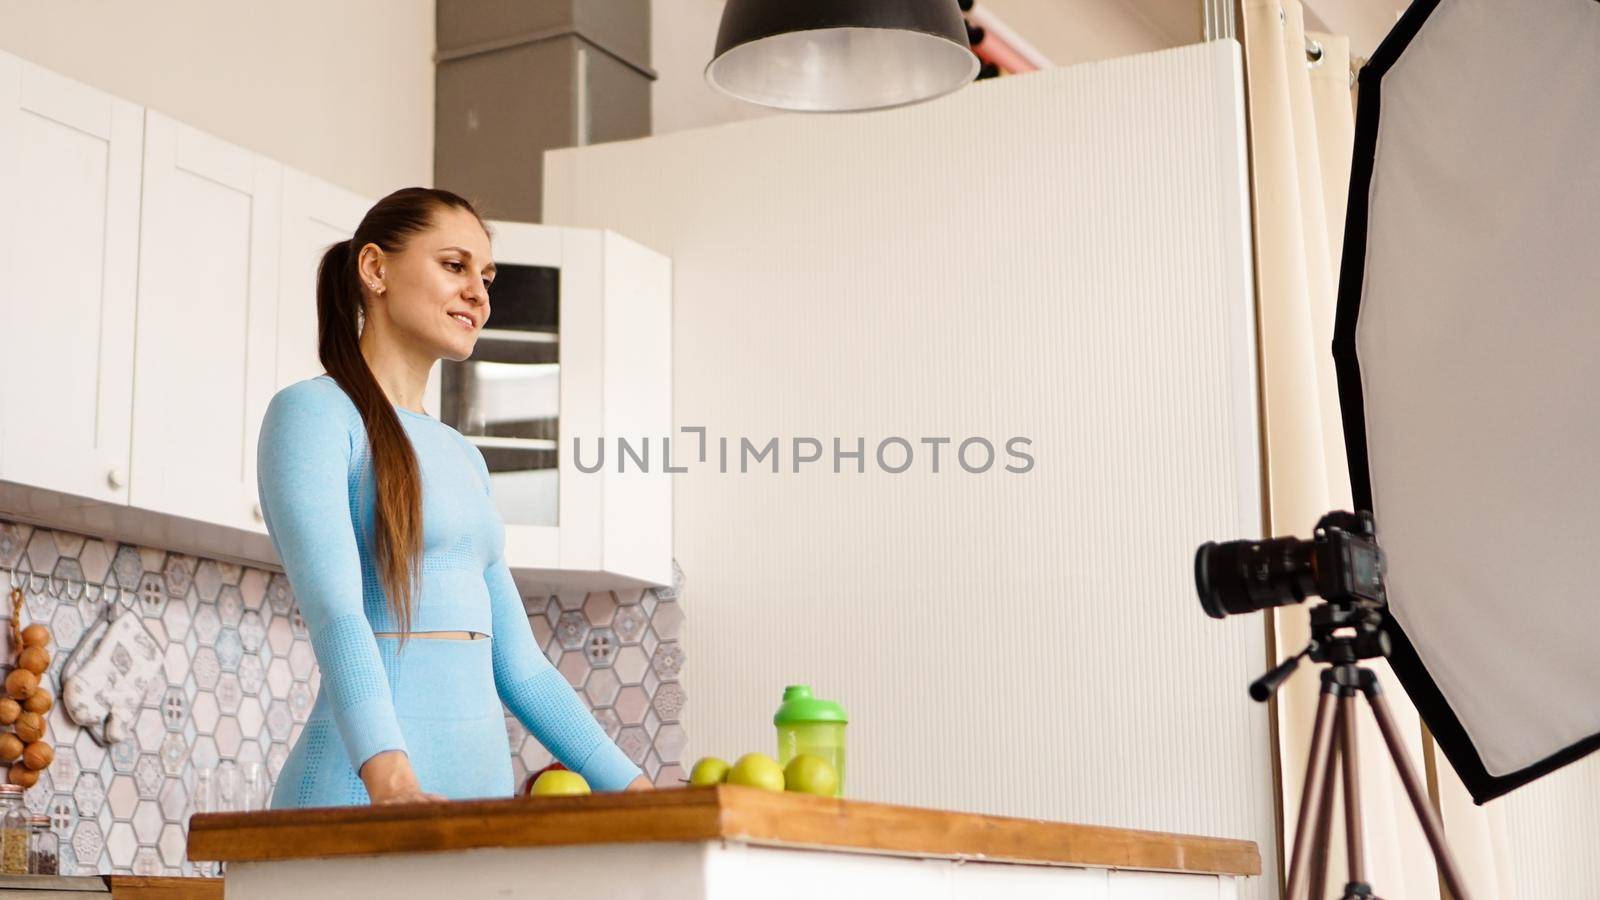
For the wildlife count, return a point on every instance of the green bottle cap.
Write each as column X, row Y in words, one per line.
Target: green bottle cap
column 800, row 707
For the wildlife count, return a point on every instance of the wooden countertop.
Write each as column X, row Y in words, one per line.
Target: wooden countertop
column 722, row 812
column 151, row 887
column 116, row 887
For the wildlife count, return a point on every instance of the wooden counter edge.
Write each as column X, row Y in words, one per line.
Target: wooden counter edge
column 153, row 887
column 724, row 812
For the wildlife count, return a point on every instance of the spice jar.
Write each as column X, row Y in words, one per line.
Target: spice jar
column 43, row 847
column 13, row 831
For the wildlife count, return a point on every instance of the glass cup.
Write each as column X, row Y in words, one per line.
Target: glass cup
column 253, row 787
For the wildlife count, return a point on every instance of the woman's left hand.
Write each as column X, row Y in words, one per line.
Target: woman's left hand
column 642, row 783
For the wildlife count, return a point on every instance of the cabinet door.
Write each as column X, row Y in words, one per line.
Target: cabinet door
column 69, row 239
column 316, row 214
column 204, row 354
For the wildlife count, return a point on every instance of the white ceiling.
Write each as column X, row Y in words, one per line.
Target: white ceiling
column 1072, row 31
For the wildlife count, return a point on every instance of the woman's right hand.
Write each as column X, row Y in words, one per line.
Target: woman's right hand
column 390, row 779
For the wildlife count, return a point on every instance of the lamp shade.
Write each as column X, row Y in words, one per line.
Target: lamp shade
column 841, row 55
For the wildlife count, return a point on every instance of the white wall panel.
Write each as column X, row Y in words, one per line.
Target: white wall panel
column 1061, row 256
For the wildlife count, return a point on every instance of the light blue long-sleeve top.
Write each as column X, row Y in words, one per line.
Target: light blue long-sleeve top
column 317, row 498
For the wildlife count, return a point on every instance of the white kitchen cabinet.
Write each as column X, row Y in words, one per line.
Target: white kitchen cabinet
column 69, row 240
column 577, row 347
column 203, row 365
column 316, row 214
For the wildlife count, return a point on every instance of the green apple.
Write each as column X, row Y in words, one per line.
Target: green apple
column 757, row 770
column 811, row 774
column 559, row 783
column 708, row 770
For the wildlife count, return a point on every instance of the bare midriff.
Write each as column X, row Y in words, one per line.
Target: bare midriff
column 437, row 635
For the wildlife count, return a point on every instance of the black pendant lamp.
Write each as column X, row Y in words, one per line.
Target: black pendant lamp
column 841, row 55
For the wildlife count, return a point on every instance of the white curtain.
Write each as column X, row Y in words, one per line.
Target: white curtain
column 1539, row 842
column 1301, row 129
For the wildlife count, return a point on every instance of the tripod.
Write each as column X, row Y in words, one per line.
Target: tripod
column 1333, row 749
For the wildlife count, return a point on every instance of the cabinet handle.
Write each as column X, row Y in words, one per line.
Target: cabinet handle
column 115, row 477
column 255, row 510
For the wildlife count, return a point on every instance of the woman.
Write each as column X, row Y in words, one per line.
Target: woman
column 383, row 519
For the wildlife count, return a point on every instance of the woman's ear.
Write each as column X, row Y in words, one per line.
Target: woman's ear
column 370, row 266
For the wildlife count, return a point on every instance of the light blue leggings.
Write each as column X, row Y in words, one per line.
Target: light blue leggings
column 450, row 715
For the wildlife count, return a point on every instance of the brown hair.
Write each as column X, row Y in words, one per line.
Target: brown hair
column 397, row 519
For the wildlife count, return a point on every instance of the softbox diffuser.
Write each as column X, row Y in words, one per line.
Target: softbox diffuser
column 1468, row 352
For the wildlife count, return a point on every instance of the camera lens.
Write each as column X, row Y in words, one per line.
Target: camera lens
column 1245, row 576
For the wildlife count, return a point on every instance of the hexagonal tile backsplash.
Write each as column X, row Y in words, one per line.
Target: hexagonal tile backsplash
column 241, row 677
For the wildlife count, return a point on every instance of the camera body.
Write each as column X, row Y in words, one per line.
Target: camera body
column 1342, row 563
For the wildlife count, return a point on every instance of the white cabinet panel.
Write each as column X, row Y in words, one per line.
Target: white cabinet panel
column 1165, row 886
column 316, row 215
column 205, row 348
column 69, row 176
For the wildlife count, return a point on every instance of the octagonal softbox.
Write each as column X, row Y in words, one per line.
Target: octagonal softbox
column 1468, row 352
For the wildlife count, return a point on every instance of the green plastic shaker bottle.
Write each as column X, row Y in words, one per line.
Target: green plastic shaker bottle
column 807, row 724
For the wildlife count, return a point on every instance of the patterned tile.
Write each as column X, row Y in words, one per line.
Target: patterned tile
column 127, row 566
column 174, row 800
column 206, row 669
column 123, row 844
column 599, row 607
column 207, row 580
column 174, row 752
column 301, row 660
column 173, row 845
column 631, row 664
column 147, row 776
column 230, row 606
column 147, row 861
column 251, row 675
column 147, row 822
column 205, row 712
column 631, row 704
column 629, row 624
column 668, row 702
column 253, row 587
column 42, row 553
column 121, row 757
column 153, row 595
column 669, row 742
column 602, row 687
column 122, row 796
column 179, row 572
column 601, row 647
column 207, row 622
column 280, row 597
column 633, row 741
column 252, row 631
column 13, row 538
column 229, row 650
column 572, row 629
column 667, row 621
column 668, row 661
column 87, row 840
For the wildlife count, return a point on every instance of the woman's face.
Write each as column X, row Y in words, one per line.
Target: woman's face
column 435, row 294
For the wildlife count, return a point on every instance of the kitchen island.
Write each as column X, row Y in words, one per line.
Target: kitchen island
column 692, row 843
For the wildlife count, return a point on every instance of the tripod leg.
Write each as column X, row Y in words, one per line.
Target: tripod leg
column 1324, row 829
column 1351, row 767
column 1317, row 767
column 1431, row 825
